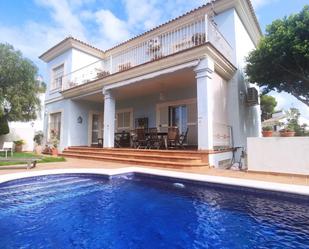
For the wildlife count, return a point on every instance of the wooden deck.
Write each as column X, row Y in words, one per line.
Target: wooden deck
column 161, row 158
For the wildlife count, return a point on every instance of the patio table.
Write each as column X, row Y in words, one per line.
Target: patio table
column 121, row 138
column 163, row 136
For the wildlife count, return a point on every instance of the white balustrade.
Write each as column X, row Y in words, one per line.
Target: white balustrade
column 164, row 44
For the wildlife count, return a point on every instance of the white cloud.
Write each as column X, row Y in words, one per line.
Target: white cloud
column 286, row 101
column 111, row 29
column 62, row 14
column 143, row 14
column 32, row 39
column 260, row 3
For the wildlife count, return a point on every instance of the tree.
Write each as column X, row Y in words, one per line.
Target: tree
column 293, row 122
column 19, row 87
column 281, row 60
column 268, row 105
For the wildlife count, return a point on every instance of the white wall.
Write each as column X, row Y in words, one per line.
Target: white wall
column 219, row 99
column 90, row 65
column 245, row 120
column 72, row 132
column 66, row 60
column 25, row 130
column 221, row 127
column 81, row 59
column 279, row 155
column 73, row 59
column 220, row 160
column 20, row 131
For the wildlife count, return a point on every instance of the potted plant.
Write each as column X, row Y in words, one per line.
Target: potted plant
column 54, row 142
column 19, row 145
column 267, row 131
column 198, row 39
column 38, row 139
column 287, row 132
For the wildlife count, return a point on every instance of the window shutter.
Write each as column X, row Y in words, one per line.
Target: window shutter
column 126, row 119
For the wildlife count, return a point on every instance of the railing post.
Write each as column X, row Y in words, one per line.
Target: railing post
column 206, row 28
column 110, row 64
column 62, row 83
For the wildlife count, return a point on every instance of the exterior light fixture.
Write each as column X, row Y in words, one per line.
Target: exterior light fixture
column 79, row 120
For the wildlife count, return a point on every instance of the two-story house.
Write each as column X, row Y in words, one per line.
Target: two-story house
column 188, row 72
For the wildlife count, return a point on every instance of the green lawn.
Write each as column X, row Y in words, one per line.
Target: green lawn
column 43, row 158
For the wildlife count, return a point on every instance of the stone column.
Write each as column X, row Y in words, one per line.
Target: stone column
column 109, row 119
column 204, row 74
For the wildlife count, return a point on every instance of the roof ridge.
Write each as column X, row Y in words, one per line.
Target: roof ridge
column 85, row 43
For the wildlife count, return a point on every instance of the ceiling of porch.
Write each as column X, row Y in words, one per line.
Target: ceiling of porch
column 164, row 83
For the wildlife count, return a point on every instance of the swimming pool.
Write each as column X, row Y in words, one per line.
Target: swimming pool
column 143, row 211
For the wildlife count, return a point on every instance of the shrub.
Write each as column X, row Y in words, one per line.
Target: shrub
column 4, row 126
column 38, row 137
column 19, row 142
column 267, row 128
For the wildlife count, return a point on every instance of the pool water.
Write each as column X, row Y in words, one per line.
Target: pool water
column 138, row 211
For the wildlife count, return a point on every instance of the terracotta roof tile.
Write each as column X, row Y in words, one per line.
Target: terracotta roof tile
column 71, row 38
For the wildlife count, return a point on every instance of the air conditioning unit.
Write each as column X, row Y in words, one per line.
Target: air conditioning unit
column 252, row 96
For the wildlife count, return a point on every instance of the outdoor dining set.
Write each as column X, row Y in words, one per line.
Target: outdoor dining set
column 150, row 138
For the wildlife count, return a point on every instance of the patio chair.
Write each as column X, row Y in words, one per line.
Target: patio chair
column 155, row 142
column 117, row 142
column 7, row 146
column 133, row 139
column 172, row 137
column 183, row 139
column 124, row 139
column 141, row 140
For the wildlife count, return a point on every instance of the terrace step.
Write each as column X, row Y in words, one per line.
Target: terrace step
column 175, row 159
column 137, row 155
column 184, row 153
column 135, row 161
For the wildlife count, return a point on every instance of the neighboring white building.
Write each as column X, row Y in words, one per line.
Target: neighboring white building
column 277, row 121
column 26, row 130
column 187, row 72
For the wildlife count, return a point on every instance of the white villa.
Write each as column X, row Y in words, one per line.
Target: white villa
column 188, row 72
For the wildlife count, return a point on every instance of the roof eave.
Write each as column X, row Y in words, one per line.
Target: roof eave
column 69, row 43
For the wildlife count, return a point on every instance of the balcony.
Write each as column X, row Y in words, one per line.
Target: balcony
column 151, row 48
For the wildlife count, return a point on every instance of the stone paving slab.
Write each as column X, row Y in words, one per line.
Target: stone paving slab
column 81, row 163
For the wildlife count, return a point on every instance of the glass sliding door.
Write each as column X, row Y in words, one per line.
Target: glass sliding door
column 178, row 117
column 181, row 113
column 95, row 129
column 55, row 125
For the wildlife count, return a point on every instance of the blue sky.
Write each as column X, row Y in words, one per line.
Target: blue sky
column 33, row 26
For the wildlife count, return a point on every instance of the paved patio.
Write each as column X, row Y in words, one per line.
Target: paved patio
column 81, row 163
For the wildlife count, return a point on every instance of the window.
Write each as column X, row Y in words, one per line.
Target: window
column 124, row 120
column 95, row 129
column 57, row 77
column 55, row 125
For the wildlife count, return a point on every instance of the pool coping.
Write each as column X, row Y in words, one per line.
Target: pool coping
column 247, row 183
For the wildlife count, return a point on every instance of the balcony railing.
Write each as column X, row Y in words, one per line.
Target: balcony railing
column 192, row 34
